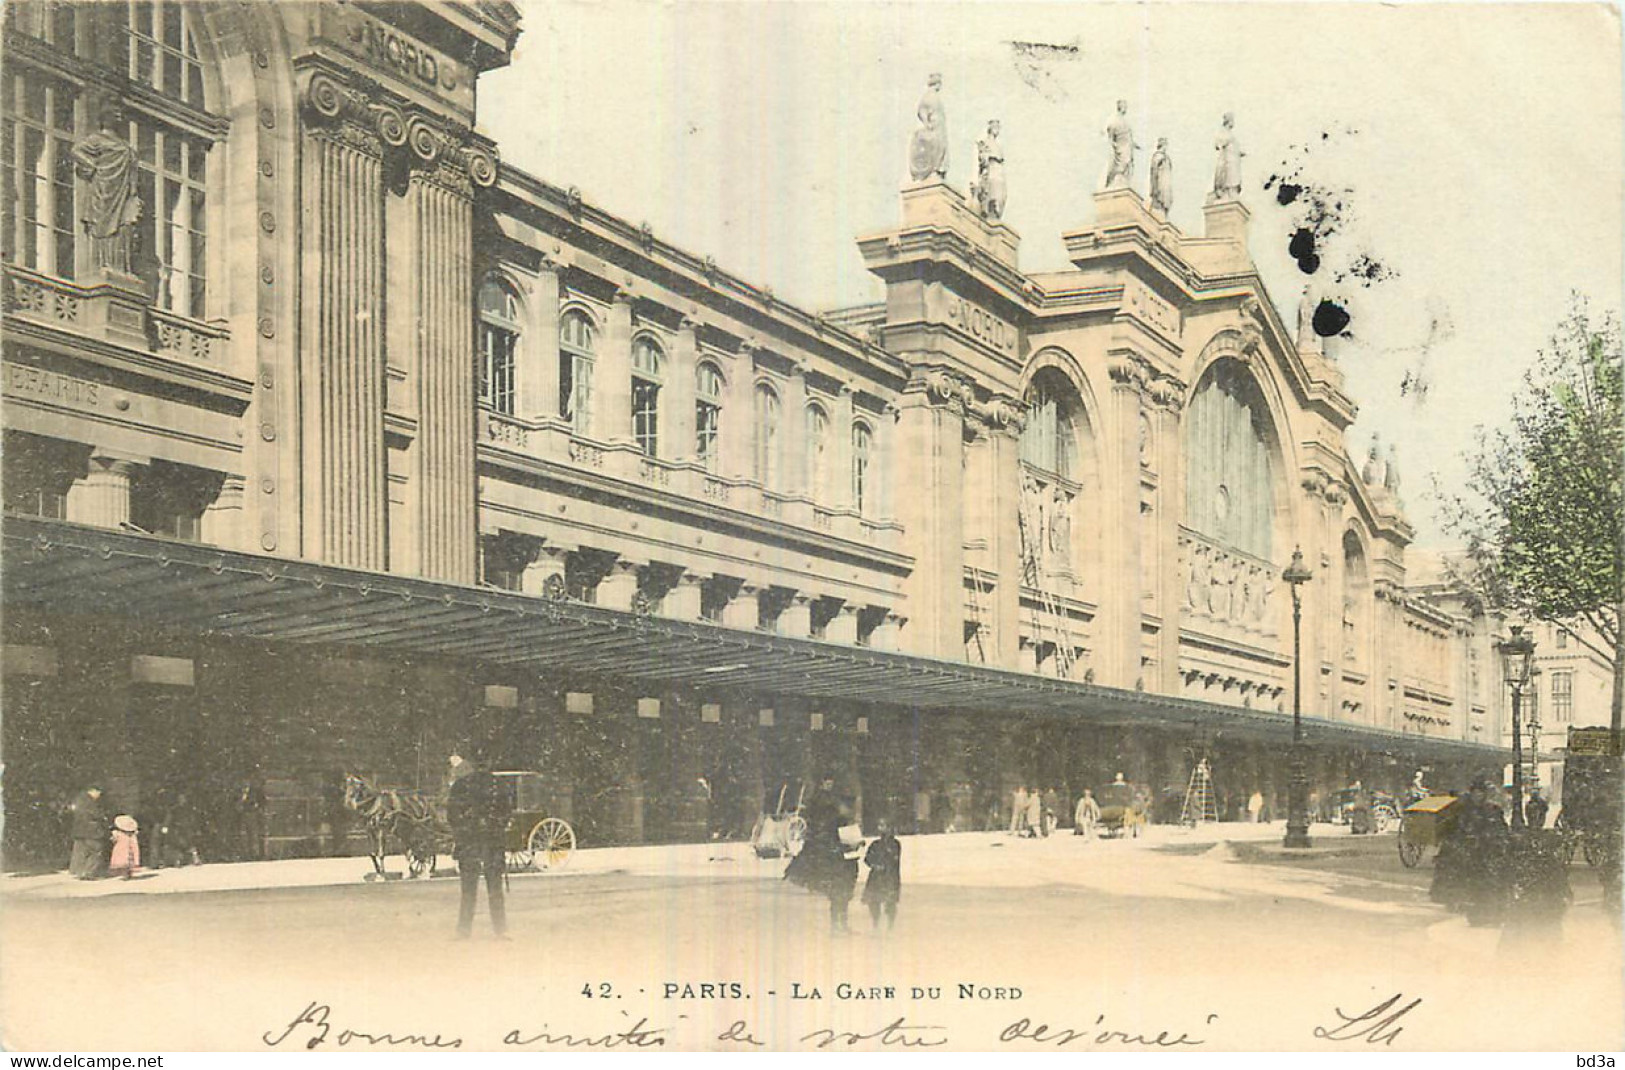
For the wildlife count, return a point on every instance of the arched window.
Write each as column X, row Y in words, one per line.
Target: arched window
column 767, row 436
column 1049, row 439
column 862, row 456
column 707, row 413
column 575, row 370
column 1356, row 589
column 1229, row 492
column 817, row 428
column 496, row 342
column 647, row 362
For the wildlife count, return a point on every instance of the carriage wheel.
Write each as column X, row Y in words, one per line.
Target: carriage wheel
column 552, row 842
column 1409, row 853
column 522, row 859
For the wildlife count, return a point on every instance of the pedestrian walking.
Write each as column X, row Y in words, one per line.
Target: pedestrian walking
column 88, row 823
column 1018, row 810
column 1535, row 810
column 125, row 858
column 478, row 810
column 1255, row 807
column 1052, row 810
column 251, row 818
column 1087, row 816
column 884, row 886
column 1035, row 814
column 822, row 866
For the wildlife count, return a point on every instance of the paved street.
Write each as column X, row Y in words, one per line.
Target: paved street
column 1131, row 937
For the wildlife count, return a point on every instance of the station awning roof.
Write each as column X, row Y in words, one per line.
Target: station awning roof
column 60, row 568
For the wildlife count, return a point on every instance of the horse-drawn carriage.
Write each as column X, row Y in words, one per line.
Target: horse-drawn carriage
column 535, row 839
column 1425, row 823
column 1121, row 811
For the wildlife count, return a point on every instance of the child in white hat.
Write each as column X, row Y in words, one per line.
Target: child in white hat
column 126, row 855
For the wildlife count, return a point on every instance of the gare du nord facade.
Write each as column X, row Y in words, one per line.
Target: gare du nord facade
column 377, row 448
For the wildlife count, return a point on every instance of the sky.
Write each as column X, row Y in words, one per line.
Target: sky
column 1471, row 151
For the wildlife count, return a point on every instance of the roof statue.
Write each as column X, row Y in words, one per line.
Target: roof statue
column 989, row 187
column 1162, row 179
column 928, row 148
column 1226, row 163
column 1120, row 172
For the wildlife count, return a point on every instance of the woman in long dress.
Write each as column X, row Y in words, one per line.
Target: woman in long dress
column 928, row 148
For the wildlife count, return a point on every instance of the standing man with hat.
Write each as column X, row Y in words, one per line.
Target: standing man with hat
column 478, row 810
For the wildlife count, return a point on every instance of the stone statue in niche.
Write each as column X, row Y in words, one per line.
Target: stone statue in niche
column 990, row 191
column 928, row 148
column 1120, row 172
column 108, row 162
column 1196, row 588
column 1060, row 526
column 1269, row 592
column 1162, row 179
column 1226, row 163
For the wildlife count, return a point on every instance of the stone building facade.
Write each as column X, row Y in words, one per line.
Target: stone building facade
column 352, row 350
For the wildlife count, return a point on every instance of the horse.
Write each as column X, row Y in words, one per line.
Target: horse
column 406, row 815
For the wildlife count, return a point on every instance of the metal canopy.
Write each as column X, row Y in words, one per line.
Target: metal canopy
column 55, row 567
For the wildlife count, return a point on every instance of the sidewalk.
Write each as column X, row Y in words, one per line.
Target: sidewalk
column 940, row 857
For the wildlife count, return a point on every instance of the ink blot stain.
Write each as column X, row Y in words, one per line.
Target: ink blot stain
column 1287, row 192
column 1331, row 319
column 1302, row 249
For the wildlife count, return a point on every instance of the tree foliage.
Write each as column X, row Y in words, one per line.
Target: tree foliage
column 1543, row 517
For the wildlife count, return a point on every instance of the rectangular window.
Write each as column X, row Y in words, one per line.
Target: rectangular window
column 38, row 137
column 646, row 416
column 1562, row 697
column 707, row 421
column 496, row 369
column 575, row 392
column 1562, row 638
column 173, row 227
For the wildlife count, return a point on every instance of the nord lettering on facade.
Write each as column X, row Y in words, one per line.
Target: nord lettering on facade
column 393, row 50
column 981, row 324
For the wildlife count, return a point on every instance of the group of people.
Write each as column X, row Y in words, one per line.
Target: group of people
column 1491, row 874
column 171, row 827
column 102, row 845
column 1033, row 813
column 827, row 863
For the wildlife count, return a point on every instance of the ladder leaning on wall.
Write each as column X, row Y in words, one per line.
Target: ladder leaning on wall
column 1049, row 616
column 1199, row 805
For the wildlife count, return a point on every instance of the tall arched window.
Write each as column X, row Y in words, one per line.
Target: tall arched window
column 1356, row 590
column 647, row 366
column 817, row 428
column 707, row 413
column 576, row 338
column 1229, row 492
column 768, row 446
column 497, row 341
column 863, row 491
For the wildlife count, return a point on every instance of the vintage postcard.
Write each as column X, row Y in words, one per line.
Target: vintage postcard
column 769, row 527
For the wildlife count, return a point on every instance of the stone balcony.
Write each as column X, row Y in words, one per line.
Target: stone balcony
column 113, row 308
column 555, row 442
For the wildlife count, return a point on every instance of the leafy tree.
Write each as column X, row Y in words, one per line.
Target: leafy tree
column 1543, row 518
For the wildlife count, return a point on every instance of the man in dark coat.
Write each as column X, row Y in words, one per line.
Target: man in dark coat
column 478, row 808
column 90, row 829
column 885, row 884
column 1535, row 810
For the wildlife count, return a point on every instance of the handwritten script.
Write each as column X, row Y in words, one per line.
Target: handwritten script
column 1375, row 1026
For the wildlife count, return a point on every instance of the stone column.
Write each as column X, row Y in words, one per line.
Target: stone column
column 620, row 586
column 843, row 627
column 1005, row 418
column 931, row 465
column 1118, row 629
column 538, row 370
column 612, row 378
column 885, row 466
column 796, row 457
column 678, row 395
column 1165, row 450
column 224, row 519
column 743, row 611
column 684, row 600
column 795, row 619
column 840, row 451
column 547, row 569
column 342, row 320
column 438, row 292
column 738, row 431
column 102, row 495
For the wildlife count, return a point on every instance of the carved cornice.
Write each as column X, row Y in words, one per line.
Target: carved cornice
column 941, row 387
column 367, row 117
column 1166, row 394
column 1130, row 371
column 1005, row 413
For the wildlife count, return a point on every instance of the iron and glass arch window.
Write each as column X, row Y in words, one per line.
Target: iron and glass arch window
column 707, row 413
column 576, row 338
column 768, row 420
column 647, row 366
column 497, row 344
column 1049, row 439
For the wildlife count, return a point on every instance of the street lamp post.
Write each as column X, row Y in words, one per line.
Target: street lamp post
column 1297, row 818
column 1519, row 652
